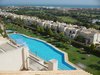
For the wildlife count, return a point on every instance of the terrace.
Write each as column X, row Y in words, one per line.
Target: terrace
column 10, row 54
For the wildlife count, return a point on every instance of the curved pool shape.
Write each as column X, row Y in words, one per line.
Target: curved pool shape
column 43, row 50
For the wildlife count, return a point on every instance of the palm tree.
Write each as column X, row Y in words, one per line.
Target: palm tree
column 4, row 33
column 3, row 30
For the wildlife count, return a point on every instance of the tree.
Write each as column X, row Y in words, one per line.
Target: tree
column 41, row 29
column 38, row 29
column 56, row 35
column 80, row 39
column 63, row 38
column 1, row 31
column 92, row 47
column 50, row 32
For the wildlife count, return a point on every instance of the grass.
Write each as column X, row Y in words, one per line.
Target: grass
column 68, row 19
column 91, row 62
column 76, row 55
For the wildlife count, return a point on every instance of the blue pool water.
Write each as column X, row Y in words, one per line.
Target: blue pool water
column 43, row 50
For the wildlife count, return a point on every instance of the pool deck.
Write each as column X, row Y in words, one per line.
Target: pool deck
column 3, row 40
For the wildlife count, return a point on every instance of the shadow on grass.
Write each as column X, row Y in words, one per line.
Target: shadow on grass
column 98, row 62
column 94, row 66
column 82, row 52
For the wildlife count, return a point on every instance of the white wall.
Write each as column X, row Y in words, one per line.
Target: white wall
column 96, row 39
column 11, row 61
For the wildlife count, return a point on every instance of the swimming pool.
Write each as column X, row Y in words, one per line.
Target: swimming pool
column 43, row 50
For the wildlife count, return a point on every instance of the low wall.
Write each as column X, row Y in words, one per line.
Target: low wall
column 78, row 72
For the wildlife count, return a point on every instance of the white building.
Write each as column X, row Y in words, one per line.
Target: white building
column 92, row 36
column 71, row 32
column 62, row 27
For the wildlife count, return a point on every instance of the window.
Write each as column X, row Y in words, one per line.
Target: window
column 73, row 32
column 70, row 32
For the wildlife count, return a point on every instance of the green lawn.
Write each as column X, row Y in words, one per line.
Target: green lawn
column 76, row 55
column 68, row 19
column 91, row 62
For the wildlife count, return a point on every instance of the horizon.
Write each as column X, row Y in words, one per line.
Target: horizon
column 51, row 5
column 50, row 2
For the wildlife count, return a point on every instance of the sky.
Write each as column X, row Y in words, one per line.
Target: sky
column 52, row 2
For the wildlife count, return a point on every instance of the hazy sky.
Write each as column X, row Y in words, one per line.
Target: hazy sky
column 62, row 2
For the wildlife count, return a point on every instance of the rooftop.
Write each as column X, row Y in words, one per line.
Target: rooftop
column 90, row 31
